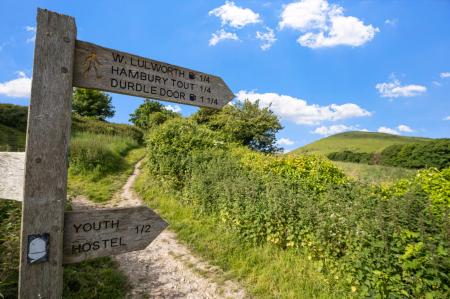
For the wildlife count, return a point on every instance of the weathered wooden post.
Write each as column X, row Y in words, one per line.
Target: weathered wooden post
column 48, row 134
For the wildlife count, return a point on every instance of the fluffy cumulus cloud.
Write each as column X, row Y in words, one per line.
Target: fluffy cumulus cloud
column 388, row 130
column 235, row 16
column 394, row 89
column 299, row 111
column 174, row 108
column 445, row 75
column 267, row 38
column 334, row 129
column 325, row 25
column 405, row 128
column 17, row 88
column 222, row 35
column 285, row 141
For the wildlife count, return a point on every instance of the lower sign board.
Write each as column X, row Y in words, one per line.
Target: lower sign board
column 95, row 233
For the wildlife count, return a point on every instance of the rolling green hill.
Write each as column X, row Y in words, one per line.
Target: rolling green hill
column 361, row 142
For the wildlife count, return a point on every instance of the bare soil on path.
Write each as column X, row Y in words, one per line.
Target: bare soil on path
column 166, row 268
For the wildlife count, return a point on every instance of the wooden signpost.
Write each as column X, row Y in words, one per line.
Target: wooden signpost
column 50, row 236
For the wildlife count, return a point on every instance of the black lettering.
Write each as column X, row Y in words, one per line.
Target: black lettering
column 104, row 242
column 76, row 248
column 153, row 90
column 87, row 227
column 114, row 242
column 120, row 242
column 86, row 248
column 116, row 224
column 117, row 57
column 96, row 245
column 77, row 227
column 114, row 82
column 114, row 69
column 130, row 85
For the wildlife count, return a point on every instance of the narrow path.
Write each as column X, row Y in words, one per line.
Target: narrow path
column 166, row 268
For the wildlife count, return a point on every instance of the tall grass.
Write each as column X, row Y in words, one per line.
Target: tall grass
column 98, row 154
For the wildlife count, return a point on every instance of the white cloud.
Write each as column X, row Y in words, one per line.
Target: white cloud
column 285, row 141
column 33, row 30
column 391, row 22
column 388, row 131
column 222, row 35
column 299, row 111
column 447, row 118
column 436, row 83
column 394, row 89
column 445, row 75
column 174, row 108
column 235, row 16
column 267, row 38
column 17, row 88
column 324, row 25
column 404, row 128
column 333, row 129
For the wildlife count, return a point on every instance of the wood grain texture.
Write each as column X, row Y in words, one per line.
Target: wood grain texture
column 95, row 233
column 48, row 133
column 106, row 69
column 11, row 175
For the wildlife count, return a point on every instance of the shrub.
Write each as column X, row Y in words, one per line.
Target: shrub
column 434, row 153
column 382, row 241
column 349, row 156
column 14, row 116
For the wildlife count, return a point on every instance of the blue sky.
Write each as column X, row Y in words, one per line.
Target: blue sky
column 324, row 66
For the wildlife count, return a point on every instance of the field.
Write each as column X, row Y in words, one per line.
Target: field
column 362, row 142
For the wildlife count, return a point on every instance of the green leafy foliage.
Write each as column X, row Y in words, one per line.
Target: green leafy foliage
column 93, row 103
column 349, row 156
column 244, row 123
column 151, row 114
column 435, row 153
column 380, row 242
column 14, row 116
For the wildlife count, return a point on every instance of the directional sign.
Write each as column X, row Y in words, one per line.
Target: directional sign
column 95, row 233
column 101, row 68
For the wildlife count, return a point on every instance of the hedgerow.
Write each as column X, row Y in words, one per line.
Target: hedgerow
column 382, row 241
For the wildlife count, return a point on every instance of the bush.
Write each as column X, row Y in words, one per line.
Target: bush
column 382, row 241
column 98, row 154
column 14, row 116
column 434, row 153
column 349, row 156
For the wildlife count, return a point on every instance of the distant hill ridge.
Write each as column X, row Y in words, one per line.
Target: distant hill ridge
column 356, row 141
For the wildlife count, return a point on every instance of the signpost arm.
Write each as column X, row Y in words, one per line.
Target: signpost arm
column 48, row 133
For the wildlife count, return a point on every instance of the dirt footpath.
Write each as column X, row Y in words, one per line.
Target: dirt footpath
column 166, row 268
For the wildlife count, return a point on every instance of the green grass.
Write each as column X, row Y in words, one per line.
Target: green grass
column 374, row 174
column 11, row 140
column 361, row 142
column 101, row 189
column 265, row 271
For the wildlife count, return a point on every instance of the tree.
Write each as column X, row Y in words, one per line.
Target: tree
column 150, row 114
column 93, row 103
column 245, row 123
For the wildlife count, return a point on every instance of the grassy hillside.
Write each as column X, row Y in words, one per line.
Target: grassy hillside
column 362, row 142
